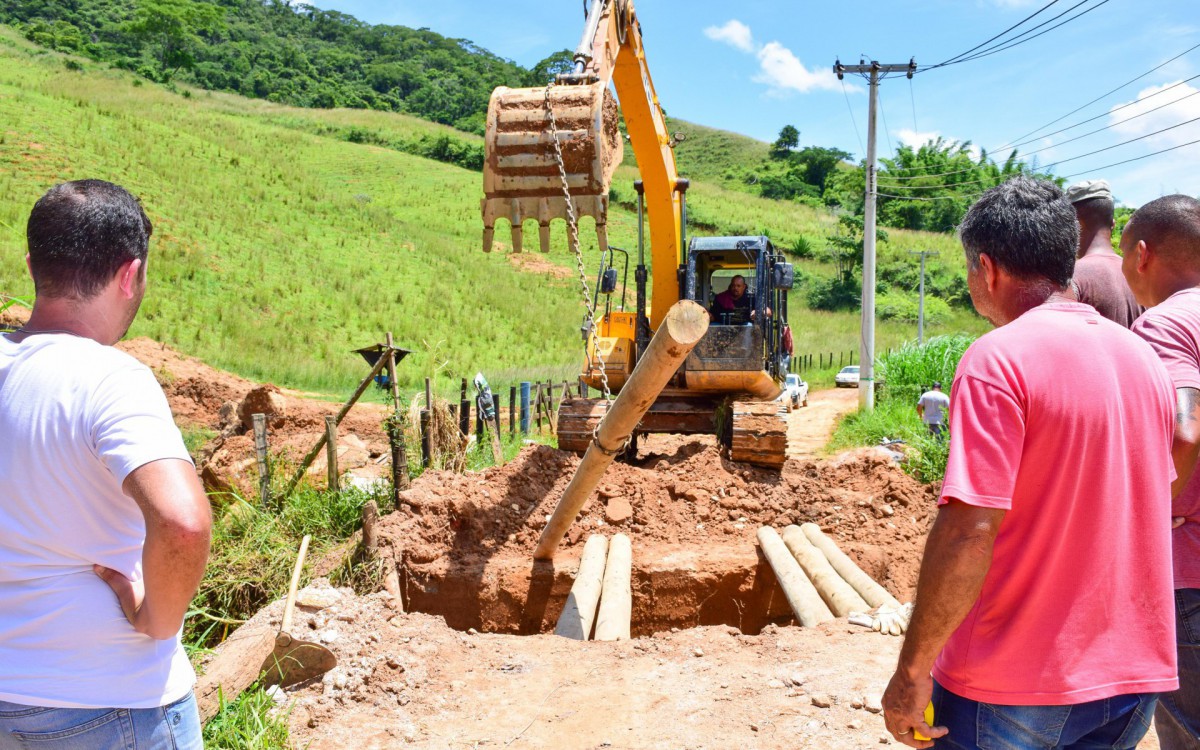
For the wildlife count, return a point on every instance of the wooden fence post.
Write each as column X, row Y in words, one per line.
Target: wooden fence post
column 331, row 452
column 512, row 410
column 260, row 452
column 396, row 430
column 426, row 438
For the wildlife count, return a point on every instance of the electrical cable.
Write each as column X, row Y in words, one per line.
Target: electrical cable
column 1102, row 96
column 912, row 97
column 948, row 61
column 852, row 120
column 1111, row 125
column 1017, row 40
column 1136, row 158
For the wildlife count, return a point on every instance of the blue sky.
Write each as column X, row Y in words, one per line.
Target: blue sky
column 757, row 65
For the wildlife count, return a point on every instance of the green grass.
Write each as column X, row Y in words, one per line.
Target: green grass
column 280, row 246
column 248, row 723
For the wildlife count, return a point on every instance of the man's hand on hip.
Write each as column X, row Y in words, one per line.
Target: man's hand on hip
column 129, row 593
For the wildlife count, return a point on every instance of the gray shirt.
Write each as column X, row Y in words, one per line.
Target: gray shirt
column 935, row 404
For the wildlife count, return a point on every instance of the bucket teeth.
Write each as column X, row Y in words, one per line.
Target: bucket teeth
column 521, row 177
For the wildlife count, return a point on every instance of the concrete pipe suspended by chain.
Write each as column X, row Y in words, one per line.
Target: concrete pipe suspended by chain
column 684, row 326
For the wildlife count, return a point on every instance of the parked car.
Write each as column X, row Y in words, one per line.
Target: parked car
column 795, row 392
column 847, row 377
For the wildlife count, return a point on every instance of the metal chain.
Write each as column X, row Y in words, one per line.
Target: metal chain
column 573, row 225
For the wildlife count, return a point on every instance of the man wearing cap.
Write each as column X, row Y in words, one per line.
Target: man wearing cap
column 1161, row 245
column 931, row 407
column 1098, row 280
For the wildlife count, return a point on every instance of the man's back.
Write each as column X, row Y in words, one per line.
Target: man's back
column 1099, row 283
column 933, row 406
column 77, row 418
column 1077, row 603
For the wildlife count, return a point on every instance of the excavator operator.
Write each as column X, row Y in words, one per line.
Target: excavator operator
column 734, row 306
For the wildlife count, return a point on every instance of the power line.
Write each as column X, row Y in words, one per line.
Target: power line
column 1111, row 125
column 912, row 97
column 989, row 41
column 1136, row 158
column 852, row 120
column 1017, row 40
column 1102, row 96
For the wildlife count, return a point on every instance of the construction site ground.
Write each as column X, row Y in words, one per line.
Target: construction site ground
column 716, row 659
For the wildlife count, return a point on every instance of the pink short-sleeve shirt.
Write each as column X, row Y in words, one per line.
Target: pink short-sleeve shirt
column 1077, row 604
column 1173, row 330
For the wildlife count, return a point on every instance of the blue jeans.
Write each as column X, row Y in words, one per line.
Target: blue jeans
column 173, row 727
column 1177, row 719
column 1117, row 723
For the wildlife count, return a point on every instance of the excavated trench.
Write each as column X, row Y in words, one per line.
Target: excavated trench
column 465, row 542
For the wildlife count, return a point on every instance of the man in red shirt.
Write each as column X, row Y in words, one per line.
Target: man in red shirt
column 1161, row 246
column 1044, row 606
column 1097, row 279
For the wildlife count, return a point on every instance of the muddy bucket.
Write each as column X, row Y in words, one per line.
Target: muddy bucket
column 521, row 178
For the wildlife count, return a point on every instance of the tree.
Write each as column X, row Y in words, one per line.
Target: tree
column 172, row 28
column 544, row 72
column 789, row 139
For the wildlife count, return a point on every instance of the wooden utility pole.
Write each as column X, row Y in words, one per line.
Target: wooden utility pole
column 866, row 370
column 921, row 298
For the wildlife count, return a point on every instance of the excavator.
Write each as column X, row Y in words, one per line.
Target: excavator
column 551, row 153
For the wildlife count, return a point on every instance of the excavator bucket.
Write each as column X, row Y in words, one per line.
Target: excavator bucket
column 521, row 178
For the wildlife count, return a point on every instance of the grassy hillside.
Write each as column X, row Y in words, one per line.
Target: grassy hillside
column 280, row 244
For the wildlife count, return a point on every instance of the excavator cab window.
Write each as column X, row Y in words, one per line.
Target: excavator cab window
column 737, row 289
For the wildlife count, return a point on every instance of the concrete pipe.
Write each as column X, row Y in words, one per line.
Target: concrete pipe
column 874, row 594
column 806, row 603
column 839, row 595
column 580, row 610
column 616, row 601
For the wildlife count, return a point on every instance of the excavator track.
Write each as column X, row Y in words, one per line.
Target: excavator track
column 759, row 433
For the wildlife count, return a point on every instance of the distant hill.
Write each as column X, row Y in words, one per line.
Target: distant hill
column 285, row 237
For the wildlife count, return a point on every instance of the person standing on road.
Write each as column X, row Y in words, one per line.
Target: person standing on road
column 932, row 408
column 1161, row 247
column 104, row 526
column 1098, row 280
column 1043, row 606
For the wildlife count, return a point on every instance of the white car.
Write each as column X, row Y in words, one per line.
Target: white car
column 795, row 392
column 847, row 377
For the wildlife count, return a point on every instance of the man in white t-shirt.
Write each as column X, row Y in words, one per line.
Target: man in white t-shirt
column 932, row 408
column 104, row 527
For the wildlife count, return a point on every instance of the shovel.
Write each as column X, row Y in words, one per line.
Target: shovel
column 249, row 652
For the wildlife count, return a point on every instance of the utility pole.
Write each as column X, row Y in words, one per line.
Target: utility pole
column 866, row 367
column 921, row 299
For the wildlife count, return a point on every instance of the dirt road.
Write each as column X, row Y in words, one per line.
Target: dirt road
column 810, row 427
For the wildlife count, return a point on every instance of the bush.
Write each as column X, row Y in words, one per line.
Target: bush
column 837, row 293
column 902, row 307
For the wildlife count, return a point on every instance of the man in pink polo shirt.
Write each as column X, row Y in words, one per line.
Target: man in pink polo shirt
column 1161, row 246
column 1043, row 607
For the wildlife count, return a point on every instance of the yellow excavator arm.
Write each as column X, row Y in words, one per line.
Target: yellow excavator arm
column 524, row 171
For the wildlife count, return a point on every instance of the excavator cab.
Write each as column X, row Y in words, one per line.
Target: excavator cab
column 744, row 283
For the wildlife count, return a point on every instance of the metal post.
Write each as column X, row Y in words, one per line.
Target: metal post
column 866, row 368
column 525, row 407
column 921, row 298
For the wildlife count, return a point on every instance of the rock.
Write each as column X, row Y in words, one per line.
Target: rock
column 820, row 700
column 618, row 510
column 884, row 739
column 873, row 703
column 775, row 684
column 229, row 421
column 698, row 651
column 795, row 679
column 277, row 694
column 856, row 703
column 317, row 598
column 856, row 725
column 265, row 399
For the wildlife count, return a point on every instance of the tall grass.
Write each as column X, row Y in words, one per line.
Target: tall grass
column 912, row 369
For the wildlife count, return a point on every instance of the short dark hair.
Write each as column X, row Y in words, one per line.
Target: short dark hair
column 80, row 233
column 1171, row 225
column 1096, row 211
column 1026, row 227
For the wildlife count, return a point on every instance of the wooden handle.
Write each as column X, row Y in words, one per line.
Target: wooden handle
column 291, row 599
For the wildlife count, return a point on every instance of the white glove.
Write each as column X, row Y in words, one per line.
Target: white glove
column 885, row 619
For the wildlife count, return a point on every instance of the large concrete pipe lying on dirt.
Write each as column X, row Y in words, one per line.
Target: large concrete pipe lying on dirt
column 839, row 595
column 806, row 603
column 616, row 603
column 681, row 330
column 871, row 592
column 580, row 610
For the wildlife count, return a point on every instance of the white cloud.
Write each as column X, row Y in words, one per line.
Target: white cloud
column 915, row 138
column 734, row 33
column 1182, row 104
column 782, row 71
column 778, row 66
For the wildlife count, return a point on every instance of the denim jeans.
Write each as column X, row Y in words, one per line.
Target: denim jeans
column 1177, row 719
column 173, row 727
column 1117, row 723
